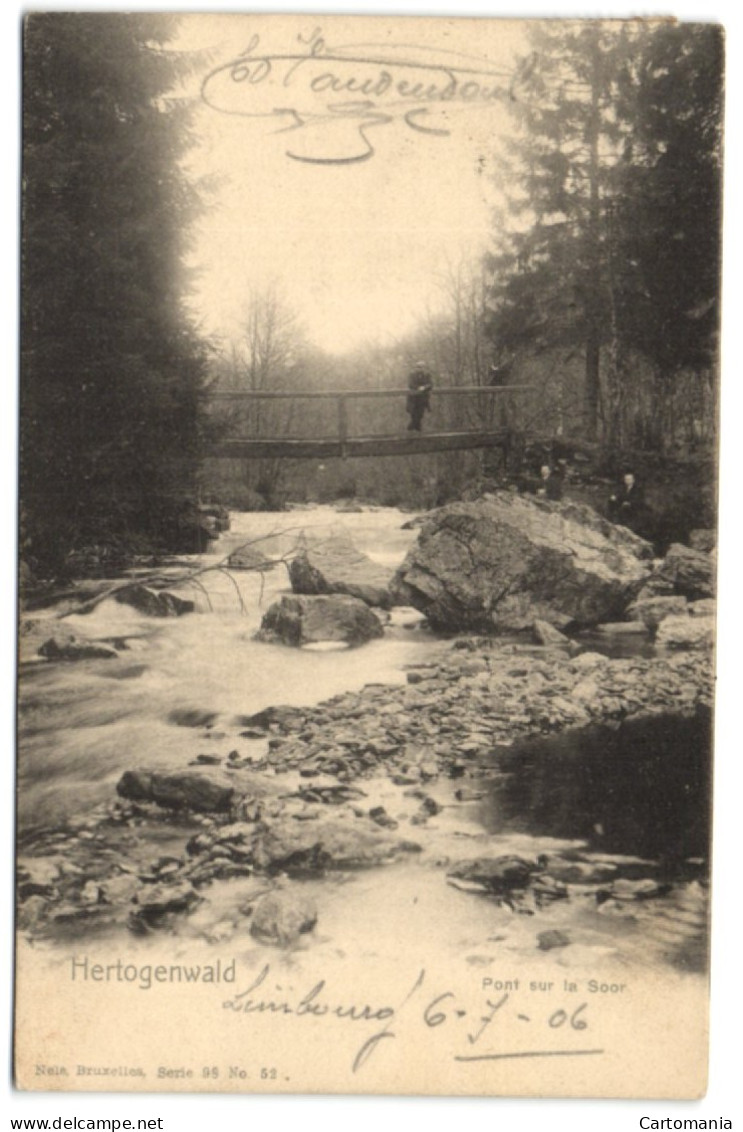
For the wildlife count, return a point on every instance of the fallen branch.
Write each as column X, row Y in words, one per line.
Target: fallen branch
column 191, row 577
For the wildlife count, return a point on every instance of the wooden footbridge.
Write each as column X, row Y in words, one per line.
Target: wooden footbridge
column 344, row 443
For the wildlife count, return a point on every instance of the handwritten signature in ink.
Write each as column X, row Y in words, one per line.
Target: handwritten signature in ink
column 336, row 95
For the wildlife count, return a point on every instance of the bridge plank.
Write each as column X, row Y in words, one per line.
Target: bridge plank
column 409, row 444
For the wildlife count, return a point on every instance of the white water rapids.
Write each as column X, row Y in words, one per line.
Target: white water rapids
column 84, row 723
column 181, row 688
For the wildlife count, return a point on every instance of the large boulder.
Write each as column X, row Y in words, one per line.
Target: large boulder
column 179, row 790
column 684, row 572
column 336, row 566
column 332, row 842
column 686, row 632
column 299, row 620
column 504, row 561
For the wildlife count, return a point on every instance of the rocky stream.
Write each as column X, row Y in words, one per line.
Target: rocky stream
column 232, row 765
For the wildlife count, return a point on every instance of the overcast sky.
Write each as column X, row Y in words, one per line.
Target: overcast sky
column 358, row 248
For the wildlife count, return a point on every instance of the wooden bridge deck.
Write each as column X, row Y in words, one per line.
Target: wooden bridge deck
column 406, row 444
column 342, row 444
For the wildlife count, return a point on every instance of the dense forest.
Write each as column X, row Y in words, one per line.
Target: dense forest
column 600, row 292
column 617, row 172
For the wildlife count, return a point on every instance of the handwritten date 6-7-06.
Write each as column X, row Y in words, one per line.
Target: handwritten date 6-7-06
column 441, row 1011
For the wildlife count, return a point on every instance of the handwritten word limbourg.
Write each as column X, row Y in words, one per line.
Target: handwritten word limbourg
column 335, row 95
column 469, row 1033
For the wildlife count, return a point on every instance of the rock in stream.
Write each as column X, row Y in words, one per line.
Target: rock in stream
column 504, row 561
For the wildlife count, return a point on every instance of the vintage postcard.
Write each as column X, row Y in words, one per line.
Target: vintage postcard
column 368, row 511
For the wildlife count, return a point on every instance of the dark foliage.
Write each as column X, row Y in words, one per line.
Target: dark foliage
column 112, row 371
column 614, row 181
column 668, row 214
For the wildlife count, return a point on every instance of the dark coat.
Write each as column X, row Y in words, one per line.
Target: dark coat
column 420, row 384
column 553, row 486
column 627, row 503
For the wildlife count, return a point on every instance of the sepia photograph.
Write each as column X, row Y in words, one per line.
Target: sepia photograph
column 369, row 424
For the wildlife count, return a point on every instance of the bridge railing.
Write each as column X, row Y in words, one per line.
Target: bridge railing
column 351, row 416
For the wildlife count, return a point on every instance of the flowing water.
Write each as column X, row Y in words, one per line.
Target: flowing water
column 642, row 788
column 82, row 724
column 638, row 793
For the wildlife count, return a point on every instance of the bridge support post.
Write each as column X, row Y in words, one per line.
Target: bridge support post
column 343, row 426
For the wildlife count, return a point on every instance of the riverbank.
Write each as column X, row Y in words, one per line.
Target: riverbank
column 389, row 789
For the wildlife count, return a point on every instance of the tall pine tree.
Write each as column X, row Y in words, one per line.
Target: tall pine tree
column 668, row 212
column 551, row 268
column 612, row 247
column 112, row 370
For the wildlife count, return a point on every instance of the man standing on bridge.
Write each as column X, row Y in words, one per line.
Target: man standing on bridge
column 420, row 384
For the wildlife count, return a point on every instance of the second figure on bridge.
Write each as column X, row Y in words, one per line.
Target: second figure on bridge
column 420, row 384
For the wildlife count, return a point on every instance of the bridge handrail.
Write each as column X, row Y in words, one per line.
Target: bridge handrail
column 350, row 394
column 343, row 396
